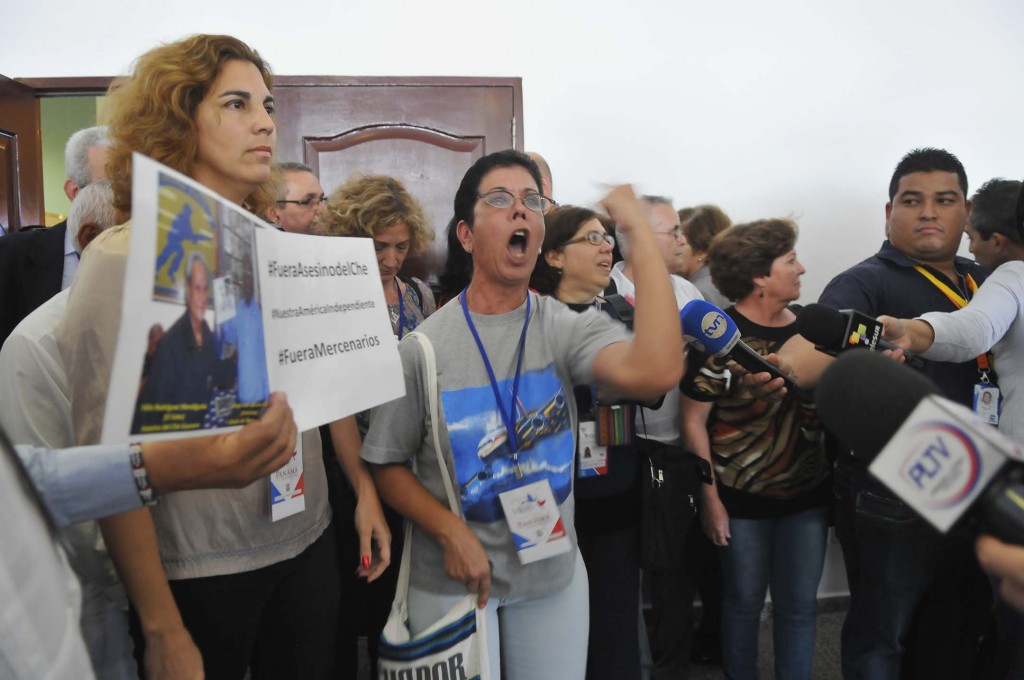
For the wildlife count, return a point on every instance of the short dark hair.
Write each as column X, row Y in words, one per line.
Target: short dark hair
column 928, row 159
column 469, row 188
column 560, row 225
column 653, row 199
column 295, row 166
column 745, row 251
column 995, row 209
column 703, row 225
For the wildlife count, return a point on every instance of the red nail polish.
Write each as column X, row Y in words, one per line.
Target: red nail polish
column 366, row 561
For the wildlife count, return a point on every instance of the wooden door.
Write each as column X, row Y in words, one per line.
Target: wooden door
column 21, row 157
column 424, row 131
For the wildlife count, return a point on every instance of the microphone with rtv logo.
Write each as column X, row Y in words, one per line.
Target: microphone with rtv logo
column 836, row 330
column 934, row 454
column 710, row 330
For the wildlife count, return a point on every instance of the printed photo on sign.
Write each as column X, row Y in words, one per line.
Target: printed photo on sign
column 206, row 368
column 219, row 309
column 484, row 464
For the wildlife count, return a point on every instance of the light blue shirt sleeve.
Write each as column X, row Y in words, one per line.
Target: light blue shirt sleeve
column 82, row 482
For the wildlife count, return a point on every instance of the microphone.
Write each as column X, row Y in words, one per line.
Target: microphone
column 836, row 330
column 934, row 454
column 710, row 330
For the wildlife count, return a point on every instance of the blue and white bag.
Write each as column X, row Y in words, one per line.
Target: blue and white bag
column 455, row 647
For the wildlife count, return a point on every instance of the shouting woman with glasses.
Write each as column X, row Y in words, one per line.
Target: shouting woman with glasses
column 507, row 361
column 574, row 267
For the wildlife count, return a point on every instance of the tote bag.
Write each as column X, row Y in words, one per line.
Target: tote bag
column 455, row 646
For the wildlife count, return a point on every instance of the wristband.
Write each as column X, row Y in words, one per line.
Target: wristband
column 139, row 473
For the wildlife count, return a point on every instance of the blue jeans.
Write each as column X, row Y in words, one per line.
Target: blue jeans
column 538, row 637
column 892, row 558
column 787, row 553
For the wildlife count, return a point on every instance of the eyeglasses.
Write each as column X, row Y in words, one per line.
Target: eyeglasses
column 594, row 238
column 499, row 198
column 676, row 232
column 311, row 202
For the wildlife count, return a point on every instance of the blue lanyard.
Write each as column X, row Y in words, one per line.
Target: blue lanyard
column 401, row 310
column 507, row 415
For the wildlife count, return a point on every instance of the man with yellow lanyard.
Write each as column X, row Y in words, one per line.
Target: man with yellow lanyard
column 894, row 560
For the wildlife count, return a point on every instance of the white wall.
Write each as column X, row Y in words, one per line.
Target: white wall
column 784, row 108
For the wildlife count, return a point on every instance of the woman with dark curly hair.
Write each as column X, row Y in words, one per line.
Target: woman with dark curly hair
column 215, row 585
column 574, row 267
column 768, row 508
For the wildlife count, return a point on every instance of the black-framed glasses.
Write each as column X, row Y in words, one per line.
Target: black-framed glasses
column 499, row 198
column 675, row 232
column 311, row 202
column 594, row 238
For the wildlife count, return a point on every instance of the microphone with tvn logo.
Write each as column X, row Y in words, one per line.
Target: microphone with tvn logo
column 709, row 329
column 937, row 456
column 836, row 330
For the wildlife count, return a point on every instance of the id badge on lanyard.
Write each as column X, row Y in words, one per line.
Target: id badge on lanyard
column 591, row 455
column 287, row 488
column 535, row 521
column 987, row 400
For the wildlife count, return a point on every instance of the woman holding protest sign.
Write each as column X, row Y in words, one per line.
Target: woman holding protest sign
column 241, row 592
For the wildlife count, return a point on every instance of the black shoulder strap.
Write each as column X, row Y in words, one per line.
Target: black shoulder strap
column 409, row 281
column 622, row 308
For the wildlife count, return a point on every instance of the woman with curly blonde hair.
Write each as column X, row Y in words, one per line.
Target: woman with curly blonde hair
column 380, row 207
column 377, row 207
column 215, row 585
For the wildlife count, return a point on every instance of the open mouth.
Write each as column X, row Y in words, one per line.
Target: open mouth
column 607, row 266
column 517, row 244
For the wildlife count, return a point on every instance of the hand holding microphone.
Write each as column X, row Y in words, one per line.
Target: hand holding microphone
column 709, row 329
column 834, row 331
column 934, row 454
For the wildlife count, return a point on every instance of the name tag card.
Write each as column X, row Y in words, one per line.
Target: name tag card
column 537, row 528
column 287, row 487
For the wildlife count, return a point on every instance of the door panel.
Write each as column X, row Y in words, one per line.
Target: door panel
column 425, row 132
column 21, row 157
column 425, row 160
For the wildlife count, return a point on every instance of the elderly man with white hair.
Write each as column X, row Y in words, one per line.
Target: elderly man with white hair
column 37, row 264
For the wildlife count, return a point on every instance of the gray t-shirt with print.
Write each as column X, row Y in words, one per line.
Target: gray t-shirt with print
column 561, row 346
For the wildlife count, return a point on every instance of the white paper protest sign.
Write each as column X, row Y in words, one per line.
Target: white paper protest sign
column 328, row 325
column 209, row 327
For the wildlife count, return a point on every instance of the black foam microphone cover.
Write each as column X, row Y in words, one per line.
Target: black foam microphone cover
column 822, row 325
column 863, row 398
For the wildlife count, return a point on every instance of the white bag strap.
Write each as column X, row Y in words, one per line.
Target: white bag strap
column 430, row 374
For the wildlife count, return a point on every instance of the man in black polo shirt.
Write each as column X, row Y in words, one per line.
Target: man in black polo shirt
column 895, row 560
